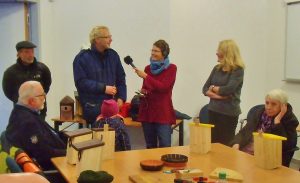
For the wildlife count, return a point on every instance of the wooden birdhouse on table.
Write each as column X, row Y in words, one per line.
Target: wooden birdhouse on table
column 76, row 136
column 66, row 108
column 89, row 155
column 78, row 109
column 107, row 135
column 267, row 150
column 200, row 137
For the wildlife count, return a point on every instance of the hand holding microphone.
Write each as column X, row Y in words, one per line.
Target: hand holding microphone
column 128, row 60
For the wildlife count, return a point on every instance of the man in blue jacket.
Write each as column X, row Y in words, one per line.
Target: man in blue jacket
column 99, row 74
column 28, row 131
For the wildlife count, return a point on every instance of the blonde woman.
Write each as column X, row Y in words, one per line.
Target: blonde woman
column 223, row 87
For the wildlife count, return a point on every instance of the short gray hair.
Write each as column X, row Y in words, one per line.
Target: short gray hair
column 97, row 32
column 27, row 90
column 278, row 94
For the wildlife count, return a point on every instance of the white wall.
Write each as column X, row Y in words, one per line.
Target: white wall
column 196, row 29
column 192, row 27
column 66, row 25
column 10, row 33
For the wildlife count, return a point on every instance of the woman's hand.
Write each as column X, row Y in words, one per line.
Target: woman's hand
column 236, row 146
column 213, row 95
column 140, row 73
column 214, row 89
column 282, row 112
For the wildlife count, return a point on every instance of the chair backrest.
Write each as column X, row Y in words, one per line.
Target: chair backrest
column 203, row 114
column 253, row 109
column 243, row 121
column 6, row 150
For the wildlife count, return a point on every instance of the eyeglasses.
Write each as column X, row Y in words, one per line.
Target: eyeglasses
column 41, row 95
column 105, row 37
column 155, row 51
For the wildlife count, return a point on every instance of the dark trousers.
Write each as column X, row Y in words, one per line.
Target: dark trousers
column 287, row 157
column 224, row 129
column 157, row 135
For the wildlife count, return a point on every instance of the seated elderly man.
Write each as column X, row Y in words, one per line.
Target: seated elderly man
column 275, row 117
column 28, row 131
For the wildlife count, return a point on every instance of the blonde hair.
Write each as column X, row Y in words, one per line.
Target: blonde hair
column 231, row 55
column 279, row 95
column 96, row 32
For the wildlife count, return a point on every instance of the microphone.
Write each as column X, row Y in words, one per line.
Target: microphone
column 128, row 60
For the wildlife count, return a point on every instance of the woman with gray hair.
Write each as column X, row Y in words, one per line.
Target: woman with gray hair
column 275, row 117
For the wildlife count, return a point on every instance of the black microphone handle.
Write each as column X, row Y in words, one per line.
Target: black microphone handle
column 132, row 65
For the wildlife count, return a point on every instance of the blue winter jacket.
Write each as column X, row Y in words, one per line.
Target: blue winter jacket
column 92, row 72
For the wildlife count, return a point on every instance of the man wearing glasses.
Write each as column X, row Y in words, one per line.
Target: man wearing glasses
column 99, row 74
column 28, row 131
column 25, row 69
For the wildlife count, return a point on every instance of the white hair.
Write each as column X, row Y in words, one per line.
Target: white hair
column 279, row 95
column 27, row 90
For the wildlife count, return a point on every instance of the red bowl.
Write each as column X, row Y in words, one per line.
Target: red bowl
column 151, row 165
column 174, row 160
column 177, row 165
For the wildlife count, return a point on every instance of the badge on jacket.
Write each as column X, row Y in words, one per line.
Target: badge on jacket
column 37, row 76
column 34, row 139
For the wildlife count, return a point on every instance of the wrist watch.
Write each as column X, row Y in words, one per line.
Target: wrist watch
column 212, row 87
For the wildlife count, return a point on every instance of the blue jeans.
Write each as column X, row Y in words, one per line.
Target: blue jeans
column 157, row 135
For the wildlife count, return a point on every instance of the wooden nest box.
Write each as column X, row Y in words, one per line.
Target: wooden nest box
column 67, row 108
column 200, row 137
column 267, row 150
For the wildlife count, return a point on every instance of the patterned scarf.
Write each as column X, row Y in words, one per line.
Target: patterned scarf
column 157, row 67
column 266, row 122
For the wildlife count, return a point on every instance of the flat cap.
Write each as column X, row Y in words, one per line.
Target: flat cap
column 24, row 44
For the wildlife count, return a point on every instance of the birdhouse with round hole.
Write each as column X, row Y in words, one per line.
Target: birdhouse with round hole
column 67, row 108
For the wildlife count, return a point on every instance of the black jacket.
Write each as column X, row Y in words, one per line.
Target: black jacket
column 18, row 73
column 26, row 130
column 287, row 128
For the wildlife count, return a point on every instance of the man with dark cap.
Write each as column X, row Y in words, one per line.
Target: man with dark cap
column 27, row 68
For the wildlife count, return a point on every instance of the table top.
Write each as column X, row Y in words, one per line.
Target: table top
column 77, row 119
column 126, row 163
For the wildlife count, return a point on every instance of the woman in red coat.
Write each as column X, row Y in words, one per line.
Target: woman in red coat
column 156, row 110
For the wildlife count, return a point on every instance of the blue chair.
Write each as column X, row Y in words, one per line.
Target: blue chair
column 203, row 114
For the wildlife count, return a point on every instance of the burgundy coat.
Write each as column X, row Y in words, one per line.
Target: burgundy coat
column 157, row 106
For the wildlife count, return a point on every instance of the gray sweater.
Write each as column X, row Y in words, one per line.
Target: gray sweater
column 230, row 84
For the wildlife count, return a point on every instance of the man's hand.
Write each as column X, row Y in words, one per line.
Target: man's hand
column 140, row 73
column 110, row 90
column 282, row 112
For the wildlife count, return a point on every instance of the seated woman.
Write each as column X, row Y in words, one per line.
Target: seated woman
column 275, row 117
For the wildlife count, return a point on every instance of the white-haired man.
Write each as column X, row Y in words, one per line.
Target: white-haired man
column 28, row 131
